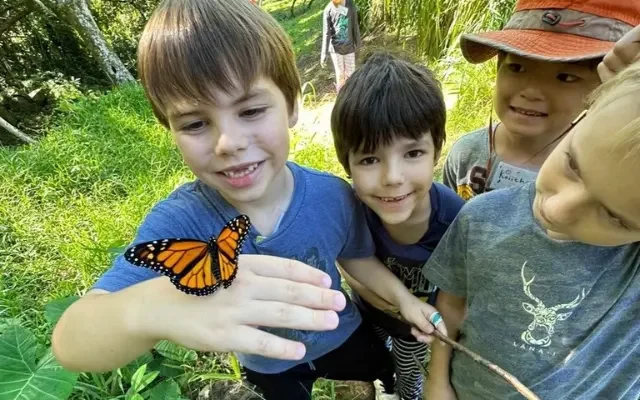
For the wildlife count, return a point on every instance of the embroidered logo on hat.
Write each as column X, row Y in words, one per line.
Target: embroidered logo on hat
column 556, row 30
column 551, row 17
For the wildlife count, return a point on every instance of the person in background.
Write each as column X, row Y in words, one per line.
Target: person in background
column 340, row 38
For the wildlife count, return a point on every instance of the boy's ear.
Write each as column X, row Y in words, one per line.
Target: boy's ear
column 293, row 117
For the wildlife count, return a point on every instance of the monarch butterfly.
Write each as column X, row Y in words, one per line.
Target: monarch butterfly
column 195, row 267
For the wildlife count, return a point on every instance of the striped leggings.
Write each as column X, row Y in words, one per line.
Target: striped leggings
column 409, row 379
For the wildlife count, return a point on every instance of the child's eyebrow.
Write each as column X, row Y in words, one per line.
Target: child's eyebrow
column 176, row 114
column 251, row 94
column 415, row 142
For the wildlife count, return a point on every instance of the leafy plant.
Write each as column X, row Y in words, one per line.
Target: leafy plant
column 29, row 371
column 54, row 310
column 140, row 380
column 26, row 376
column 166, row 390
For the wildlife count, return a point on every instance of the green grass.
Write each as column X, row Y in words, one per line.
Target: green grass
column 305, row 29
column 78, row 193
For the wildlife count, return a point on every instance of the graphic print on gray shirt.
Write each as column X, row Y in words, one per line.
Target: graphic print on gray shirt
column 471, row 168
column 560, row 316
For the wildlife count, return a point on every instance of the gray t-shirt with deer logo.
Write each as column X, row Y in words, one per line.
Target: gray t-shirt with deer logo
column 562, row 317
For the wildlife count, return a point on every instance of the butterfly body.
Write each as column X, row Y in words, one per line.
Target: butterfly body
column 194, row 266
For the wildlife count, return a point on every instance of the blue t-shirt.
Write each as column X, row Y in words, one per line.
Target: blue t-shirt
column 406, row 260
column 561, row 316
column 323, row 222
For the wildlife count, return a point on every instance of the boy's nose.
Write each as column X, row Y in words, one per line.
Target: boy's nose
column 230, row 142
column 531, row 92
column 566, row 206
column 393, row 176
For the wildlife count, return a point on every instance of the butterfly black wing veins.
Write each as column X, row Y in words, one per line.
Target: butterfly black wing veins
column 153, row 255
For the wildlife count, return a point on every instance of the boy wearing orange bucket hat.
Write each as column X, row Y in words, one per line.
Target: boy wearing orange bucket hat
column 548, row 56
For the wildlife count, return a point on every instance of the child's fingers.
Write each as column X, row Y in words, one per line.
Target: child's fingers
column 277, row 267
column 622, row 55
column 625, row 52
column 301, row 294
column 613, row 63
column 438, row 322
column 604, row 72
column 627, row 49
column 421, row 337
column 281, row 315
column 254, row 341
column 424, row 326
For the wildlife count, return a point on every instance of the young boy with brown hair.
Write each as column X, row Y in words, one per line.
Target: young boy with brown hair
column 388, row 126
column 221, row 76
column 547, row 58
column 543, row 278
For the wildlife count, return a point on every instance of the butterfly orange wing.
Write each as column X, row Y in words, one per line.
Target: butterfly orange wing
column 195, row 267
column 229, row 244
column 186, row 261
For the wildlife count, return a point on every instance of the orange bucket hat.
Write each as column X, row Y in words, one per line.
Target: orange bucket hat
column 557, row 30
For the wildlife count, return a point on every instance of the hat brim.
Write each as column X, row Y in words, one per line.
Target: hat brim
column 535, row 44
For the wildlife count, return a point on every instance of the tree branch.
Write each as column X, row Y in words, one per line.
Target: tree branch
column 512, row 380
column 15, row 131
column 16, row 17
column 41, row 6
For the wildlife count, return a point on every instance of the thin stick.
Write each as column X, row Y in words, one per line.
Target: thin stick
column 522, row 389
column 512, row 380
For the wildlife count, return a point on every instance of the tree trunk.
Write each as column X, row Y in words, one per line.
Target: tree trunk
column 77, row 14
column 15, row 131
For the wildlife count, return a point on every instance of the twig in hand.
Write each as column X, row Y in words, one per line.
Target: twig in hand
column 512, row 380
column 522, row 389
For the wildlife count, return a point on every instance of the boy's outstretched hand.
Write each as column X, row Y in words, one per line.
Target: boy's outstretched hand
column 103, row 330
column 268, row 291
column 625, row 52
